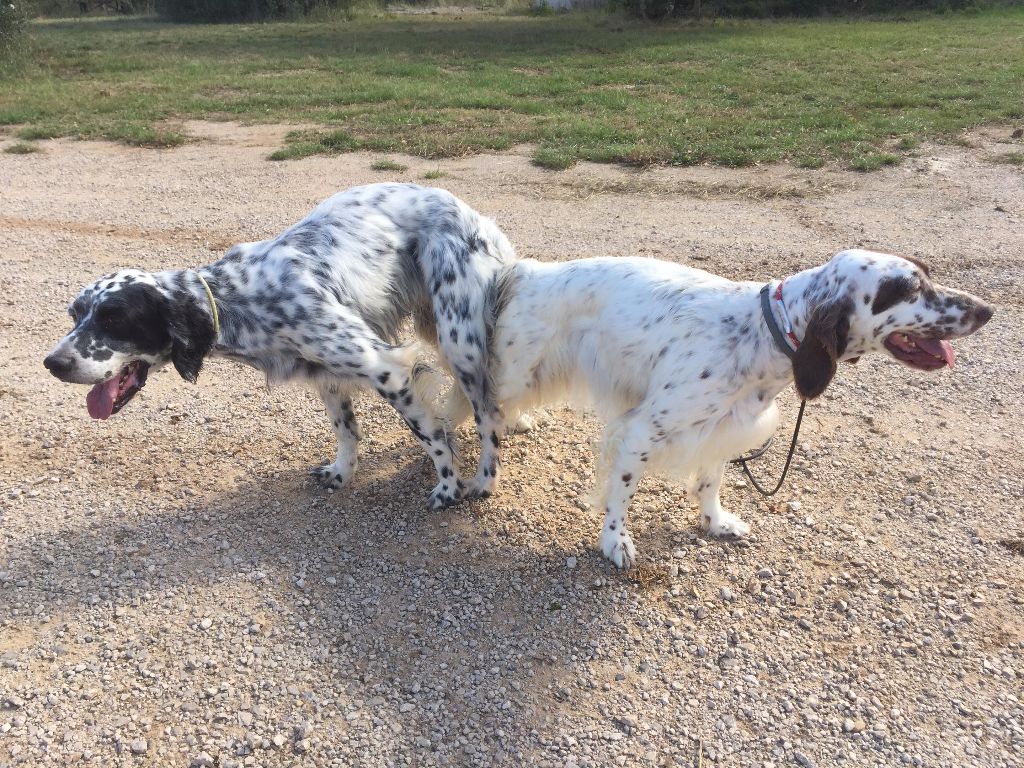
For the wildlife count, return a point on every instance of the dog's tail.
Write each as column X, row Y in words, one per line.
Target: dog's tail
column 455, row 406
column 427, row 383
column 500, row 291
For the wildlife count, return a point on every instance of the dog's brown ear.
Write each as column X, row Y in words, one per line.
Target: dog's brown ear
column 814, row 362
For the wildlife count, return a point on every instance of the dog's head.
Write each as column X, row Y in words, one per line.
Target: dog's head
column 865, row 302
column 124, row 325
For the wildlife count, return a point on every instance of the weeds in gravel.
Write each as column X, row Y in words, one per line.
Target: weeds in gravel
column 872, row 161
column 582, row 188
column 435, row 174
column 129, row 133
column 384, row 164
column 809, row 161
column 1010, row 158
column 580, row 86
column 22, row 148
column 649, row 576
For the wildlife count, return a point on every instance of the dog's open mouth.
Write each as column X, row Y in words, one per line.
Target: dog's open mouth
column 919, row 352
column 110, row 396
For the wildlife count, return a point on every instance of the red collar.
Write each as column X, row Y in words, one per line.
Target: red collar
column 785, row 316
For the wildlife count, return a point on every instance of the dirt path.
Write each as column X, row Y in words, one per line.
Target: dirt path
column 173, row 592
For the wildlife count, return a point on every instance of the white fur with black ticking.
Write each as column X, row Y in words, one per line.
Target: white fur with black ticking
column 323, row 301
column 682, row 366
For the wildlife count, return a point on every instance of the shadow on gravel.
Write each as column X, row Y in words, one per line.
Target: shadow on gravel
column 368, row 587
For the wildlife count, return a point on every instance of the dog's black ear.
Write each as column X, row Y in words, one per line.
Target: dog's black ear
column 191, row 330
column 814, row 362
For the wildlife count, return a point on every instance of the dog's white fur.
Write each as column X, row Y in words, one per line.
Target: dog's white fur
column 681, row 364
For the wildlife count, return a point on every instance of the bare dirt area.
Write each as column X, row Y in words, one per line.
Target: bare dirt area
column 175, row 591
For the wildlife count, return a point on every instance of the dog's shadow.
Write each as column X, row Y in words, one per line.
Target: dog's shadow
column 364, row 592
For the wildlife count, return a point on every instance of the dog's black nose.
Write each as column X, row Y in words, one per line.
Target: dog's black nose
column 58, row 366
column 982, row 315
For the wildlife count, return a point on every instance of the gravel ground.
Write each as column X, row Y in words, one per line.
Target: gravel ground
column 173, row 591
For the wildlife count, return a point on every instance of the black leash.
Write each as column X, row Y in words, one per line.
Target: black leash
column 742, row 460
column 780, row 341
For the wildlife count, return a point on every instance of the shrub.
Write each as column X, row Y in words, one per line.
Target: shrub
column 12, row 29
column 58, row 9
column 243, row 10
column 655, row 9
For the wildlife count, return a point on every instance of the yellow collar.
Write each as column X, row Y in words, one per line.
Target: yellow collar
column 213, row 306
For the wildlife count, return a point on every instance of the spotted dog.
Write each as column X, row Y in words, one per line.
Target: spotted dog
column 322, row 301
column 685, row 365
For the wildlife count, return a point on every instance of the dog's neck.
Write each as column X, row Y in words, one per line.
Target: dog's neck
column 195, row 282
column 802, row 294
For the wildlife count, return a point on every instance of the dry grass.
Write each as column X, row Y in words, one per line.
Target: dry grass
column 22, row 148
column 585, row 187
column 1010, row 158
column 648, row 576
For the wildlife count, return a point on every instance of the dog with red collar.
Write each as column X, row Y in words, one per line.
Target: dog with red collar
column 685, row 365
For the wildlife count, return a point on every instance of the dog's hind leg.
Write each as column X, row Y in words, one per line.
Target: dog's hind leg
column 358, row 355
column 338, row 401
column 462, row 338
column 713, row 518
column 490, row 424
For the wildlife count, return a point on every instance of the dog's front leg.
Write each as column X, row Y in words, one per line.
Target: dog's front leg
column 625, row 462
column 713, row 518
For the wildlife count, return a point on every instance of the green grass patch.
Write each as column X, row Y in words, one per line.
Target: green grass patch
column 22, row 148
column 580, row 86
column 872, row 161
column 437, row 173
column 384, row 164
column 809, row 161
column 554, row 158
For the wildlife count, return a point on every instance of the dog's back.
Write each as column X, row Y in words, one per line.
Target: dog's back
column 384, row 249
column 598, row 331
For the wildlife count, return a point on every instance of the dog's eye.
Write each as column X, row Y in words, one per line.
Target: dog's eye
column 109, row 318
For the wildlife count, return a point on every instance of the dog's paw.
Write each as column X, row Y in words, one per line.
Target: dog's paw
column 444, row 495
column 481, row 487
column 618, row 547
column 725, row 524
column 333, row 476
column 522, row 425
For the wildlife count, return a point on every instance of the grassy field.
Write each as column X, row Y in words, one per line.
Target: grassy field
column 581, row 86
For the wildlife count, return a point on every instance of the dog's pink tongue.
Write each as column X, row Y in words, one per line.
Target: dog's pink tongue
column 938, row 348
column 100, row 399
